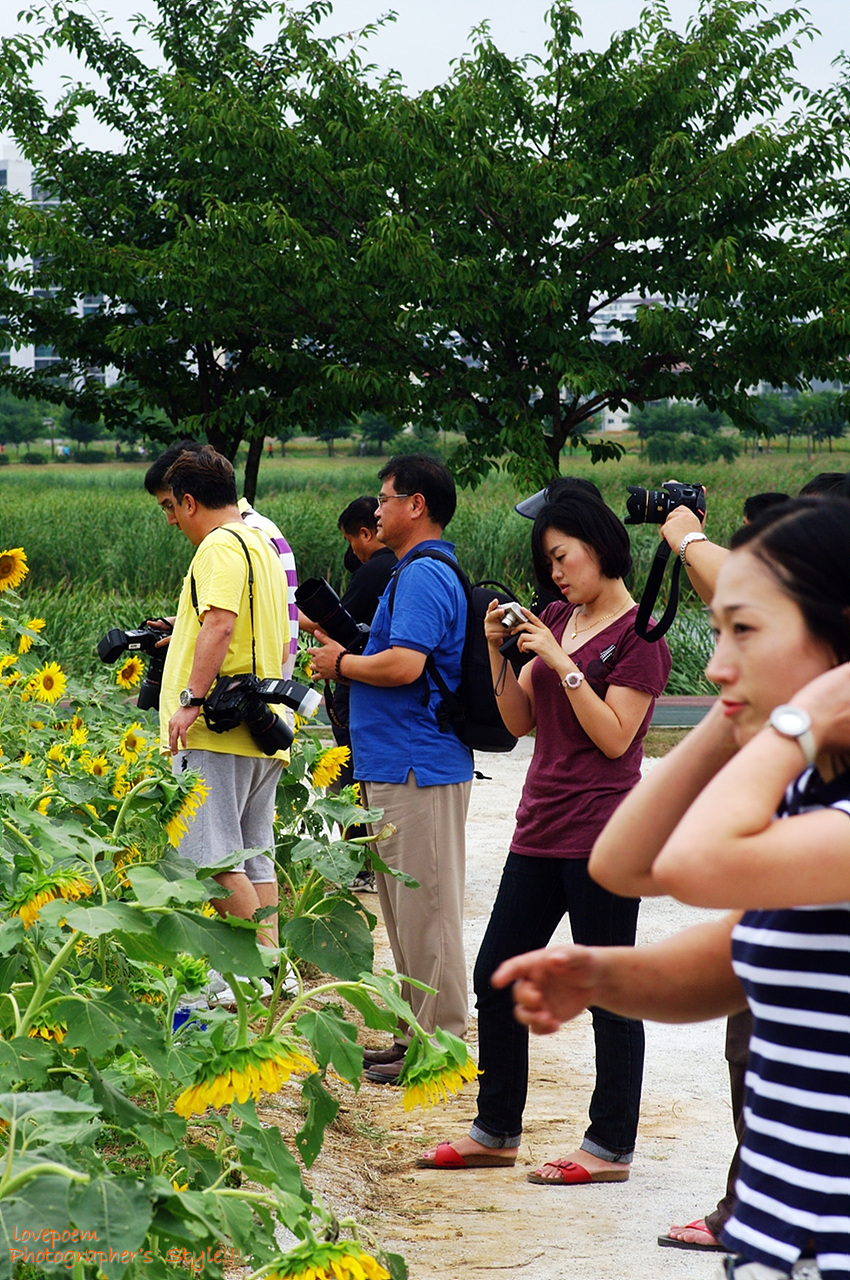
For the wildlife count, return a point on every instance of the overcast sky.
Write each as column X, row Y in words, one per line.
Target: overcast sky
column 429, row 34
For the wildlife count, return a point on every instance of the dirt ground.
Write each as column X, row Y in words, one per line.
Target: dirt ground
column 492, row 1222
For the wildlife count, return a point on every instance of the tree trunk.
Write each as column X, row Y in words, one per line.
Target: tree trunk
column 252, row 467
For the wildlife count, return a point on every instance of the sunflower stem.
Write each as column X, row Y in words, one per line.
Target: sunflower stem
column 25, row 841
column 43, row 986
column 126, row 803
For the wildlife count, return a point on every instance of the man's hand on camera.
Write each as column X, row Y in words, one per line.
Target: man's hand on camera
column 179, row 725
column 323, row 659
column 680, row 521
column 166, row 625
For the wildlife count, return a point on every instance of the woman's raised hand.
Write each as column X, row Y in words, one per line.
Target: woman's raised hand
column 827, row 700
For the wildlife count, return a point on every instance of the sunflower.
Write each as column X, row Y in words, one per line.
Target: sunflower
column 120, row 783
column 131, row 743
column 7, row 660
column 26, row 759
column 179, row 807
column 329, row 765
column 78, row 732
column 241, row 1074
column 63, row 883
column 95, row 766
column 434, row 1068
column 129, row 675
column 343, row 1260
column 48, row 1031
column 25, row 641
column 13, row 568
column 48, row 684
column 56, row 754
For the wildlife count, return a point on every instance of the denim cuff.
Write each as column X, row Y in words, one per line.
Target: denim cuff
column 490, row 1140
column 615, row 1157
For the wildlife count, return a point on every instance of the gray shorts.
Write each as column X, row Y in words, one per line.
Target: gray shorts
column 238, row 813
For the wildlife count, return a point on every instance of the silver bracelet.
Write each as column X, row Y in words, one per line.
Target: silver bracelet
column 693, row 536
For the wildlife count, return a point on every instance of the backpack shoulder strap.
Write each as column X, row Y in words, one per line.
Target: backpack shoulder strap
column 435, row 554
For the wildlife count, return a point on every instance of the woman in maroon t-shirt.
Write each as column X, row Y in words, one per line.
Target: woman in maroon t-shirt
column 589, row 693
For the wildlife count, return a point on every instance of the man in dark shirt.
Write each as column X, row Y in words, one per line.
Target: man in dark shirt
column 372, row 564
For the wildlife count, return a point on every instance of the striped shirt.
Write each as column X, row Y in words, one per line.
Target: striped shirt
column 794, row 964
column 287, row 559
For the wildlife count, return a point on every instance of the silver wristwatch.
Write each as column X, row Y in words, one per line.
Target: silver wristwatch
column 573, row 679
column 693, row 536
column 794, row 722
column 187, row 699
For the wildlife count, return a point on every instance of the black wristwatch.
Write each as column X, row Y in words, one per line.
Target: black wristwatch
column 187, row 699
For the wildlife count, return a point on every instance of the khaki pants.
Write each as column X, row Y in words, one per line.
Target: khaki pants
column 425, row 925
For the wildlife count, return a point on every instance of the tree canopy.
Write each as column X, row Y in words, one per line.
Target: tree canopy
column 278, row 240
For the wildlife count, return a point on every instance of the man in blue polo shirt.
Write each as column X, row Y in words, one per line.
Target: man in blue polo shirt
column 419, row 777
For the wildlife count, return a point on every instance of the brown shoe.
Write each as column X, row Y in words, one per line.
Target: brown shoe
column 381, row 1057
column 388, row 1074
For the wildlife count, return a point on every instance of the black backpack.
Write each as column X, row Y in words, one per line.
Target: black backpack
column 470, row 710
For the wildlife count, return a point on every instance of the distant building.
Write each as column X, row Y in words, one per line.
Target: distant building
column 16, row 175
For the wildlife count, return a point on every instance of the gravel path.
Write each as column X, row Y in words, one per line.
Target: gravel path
column 493, row 1222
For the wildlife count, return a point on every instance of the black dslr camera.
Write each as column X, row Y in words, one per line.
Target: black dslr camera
column 653, row 506
column 322, row 605
column 142, row 640
column 244, row 699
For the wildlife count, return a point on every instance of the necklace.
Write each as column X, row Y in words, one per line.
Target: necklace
column 577, row 629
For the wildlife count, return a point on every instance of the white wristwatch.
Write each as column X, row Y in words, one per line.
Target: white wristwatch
column 693, row 536
column 573, row 679
column 794, row 722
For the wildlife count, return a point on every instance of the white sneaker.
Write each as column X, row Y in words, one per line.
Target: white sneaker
column 219, row 993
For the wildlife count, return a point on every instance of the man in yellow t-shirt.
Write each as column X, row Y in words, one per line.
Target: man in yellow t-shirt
column 231, row 620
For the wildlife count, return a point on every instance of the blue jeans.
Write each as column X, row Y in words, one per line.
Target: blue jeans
column 533, row 897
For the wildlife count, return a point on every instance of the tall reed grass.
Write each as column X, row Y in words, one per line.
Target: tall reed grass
column 101, row 553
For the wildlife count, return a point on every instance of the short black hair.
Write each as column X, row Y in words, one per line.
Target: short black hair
column 758, row 503
column 417, row 473
column 579, row 515
column 206, row 474
column 827, row 482
column 155, row 474
column 359, row 514
column 806, row 547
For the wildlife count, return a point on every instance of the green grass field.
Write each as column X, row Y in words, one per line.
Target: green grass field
column 101, row 554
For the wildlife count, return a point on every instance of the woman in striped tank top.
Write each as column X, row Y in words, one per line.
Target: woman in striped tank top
column 752, row 812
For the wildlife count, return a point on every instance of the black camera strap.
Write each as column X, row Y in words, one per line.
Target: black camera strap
column 650, row 595
column 194, row 592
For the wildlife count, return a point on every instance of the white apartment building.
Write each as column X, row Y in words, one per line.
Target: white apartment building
column 16, row 175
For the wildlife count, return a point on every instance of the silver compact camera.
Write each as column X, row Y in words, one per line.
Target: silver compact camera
column 512, row 615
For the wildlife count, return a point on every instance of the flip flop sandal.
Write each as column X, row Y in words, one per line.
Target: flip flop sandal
column 446, row 1157
column 573, row 1175
column 668, row 1242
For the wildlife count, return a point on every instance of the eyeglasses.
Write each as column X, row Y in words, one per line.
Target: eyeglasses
column 383, row 498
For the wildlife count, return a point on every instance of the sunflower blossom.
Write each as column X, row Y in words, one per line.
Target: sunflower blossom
column 13, row 568
column 63, row 883
column 7, row 660
column 95, row 766
column 57, row 754
column 120, row 783
column 25, row 641
column 180, row 809
column 129, row 675
column 344, row 1260
column 78, row 733
column 49, row 1031
column 429, row 1083
column 48, row 684
column 241, row 1074
column 131, row 743
column 329, row 765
